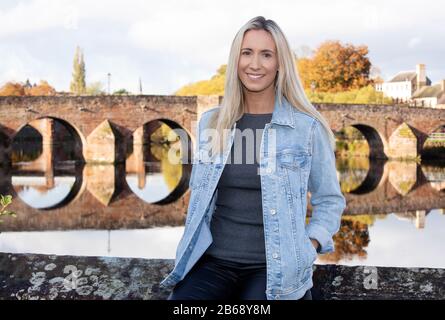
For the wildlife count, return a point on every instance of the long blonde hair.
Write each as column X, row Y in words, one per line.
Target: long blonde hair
column 287, row 84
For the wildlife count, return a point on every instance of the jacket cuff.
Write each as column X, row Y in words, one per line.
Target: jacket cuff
column 324, row 238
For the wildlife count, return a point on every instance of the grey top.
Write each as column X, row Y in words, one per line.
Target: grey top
column 237, row 223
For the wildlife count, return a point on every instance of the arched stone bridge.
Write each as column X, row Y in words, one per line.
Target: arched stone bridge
column 107, row 128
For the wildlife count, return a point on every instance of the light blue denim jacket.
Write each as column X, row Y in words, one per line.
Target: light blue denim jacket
column 299, row 160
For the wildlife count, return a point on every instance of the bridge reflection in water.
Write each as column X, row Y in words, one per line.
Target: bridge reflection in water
column 137, row 209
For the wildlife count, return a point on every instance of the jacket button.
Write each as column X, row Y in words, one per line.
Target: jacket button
column 275, row 255
column 272, row 211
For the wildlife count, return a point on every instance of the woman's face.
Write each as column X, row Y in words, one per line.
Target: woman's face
column 258, row 62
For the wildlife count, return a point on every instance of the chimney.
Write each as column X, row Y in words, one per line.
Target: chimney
column 421, row 75
column 442, row 85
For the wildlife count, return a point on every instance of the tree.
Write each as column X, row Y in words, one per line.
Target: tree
column 12, row 89
column 95, row 88
column 20, row 89
column 335, row 67
column 77, row 85
column 4, row 202
column 214, row 86
column 42, row 89
column 365, row 95
column 27, row 84
column 350, row 241
column 121, row 92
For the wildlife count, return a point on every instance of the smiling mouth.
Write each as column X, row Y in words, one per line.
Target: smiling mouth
column 255, row 76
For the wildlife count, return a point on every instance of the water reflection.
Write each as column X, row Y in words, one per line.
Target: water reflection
column 49, row 189
column 156, row 170
column 435, row 175
column 37, row 192
column 154, row 189
column 153, row 243
column 392, row 239
column 136, row 209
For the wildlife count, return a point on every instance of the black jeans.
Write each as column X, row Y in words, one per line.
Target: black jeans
column 215, row 279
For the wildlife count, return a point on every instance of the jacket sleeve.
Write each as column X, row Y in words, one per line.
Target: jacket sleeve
column 327, row 200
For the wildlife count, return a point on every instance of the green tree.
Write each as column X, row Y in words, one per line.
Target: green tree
column 365, row 95
column 77, row 85
column 4, row 202
column 95, row 89
column 121, row 92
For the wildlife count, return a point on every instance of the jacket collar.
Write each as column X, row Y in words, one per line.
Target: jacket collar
column 283, row 113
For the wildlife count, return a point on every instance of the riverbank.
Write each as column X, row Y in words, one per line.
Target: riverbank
column 44, row 277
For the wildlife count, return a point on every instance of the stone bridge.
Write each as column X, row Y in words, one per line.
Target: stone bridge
column 111, row 129
column 105, row 129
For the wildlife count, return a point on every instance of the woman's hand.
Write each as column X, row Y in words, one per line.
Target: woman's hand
column 315, row 244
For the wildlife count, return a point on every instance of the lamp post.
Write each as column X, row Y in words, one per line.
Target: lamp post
column 109, row 80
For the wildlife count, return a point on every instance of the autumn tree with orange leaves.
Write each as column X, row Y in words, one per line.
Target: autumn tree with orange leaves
column 335, row 67
column 42, row 89
column 12, row 89
column 350, row 242
column 18, row 89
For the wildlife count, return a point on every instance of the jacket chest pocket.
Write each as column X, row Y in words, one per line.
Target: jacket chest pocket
column 292, row 166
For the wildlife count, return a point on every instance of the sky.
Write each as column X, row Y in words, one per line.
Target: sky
column 168, row 44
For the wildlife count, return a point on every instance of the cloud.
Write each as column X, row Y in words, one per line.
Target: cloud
column 37, row 16
column 17, row 64
column 414, row 42
column 186, row 41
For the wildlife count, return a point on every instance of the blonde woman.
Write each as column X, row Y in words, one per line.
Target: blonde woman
column 258, row 155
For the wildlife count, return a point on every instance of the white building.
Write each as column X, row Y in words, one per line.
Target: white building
column 430, row 96
column 404, row 84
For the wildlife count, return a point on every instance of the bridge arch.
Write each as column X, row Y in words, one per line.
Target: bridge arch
column 5, row 146
column 52, row 136
column 376, row 141
column 434, row 145
column 151, row 148
column 48, row 124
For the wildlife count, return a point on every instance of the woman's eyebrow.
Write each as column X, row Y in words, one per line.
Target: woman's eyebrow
column 264, row 50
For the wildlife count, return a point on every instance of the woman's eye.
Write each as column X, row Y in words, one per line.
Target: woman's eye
column 267, row 55
column 246, row 53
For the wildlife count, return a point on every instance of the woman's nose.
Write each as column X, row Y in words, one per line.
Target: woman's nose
column 255, row 63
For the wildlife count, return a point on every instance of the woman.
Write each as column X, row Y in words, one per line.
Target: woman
column 245, row 234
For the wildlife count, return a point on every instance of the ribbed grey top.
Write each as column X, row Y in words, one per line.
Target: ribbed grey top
column 237, row 223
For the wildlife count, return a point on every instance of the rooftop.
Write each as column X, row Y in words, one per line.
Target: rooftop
column 434, row 91
column 407, row 76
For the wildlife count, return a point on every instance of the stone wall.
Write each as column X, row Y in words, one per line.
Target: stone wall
column 30, row 276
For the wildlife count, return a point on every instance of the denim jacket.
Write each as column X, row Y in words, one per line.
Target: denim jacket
column 299, row 159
